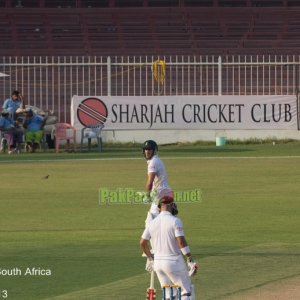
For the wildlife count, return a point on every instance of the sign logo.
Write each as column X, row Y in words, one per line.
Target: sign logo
column 91, row 112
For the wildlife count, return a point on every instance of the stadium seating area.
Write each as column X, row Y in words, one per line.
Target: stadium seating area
column 149, row 27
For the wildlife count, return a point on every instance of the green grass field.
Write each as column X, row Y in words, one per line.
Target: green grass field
column 244, row 233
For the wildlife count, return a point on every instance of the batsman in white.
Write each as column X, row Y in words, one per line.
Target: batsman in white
column 169, row 247
column 157, row 184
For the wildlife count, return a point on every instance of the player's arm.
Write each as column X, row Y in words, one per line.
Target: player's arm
column 182, row 244
column 184, row 247
column 185, row 250
column 149, row 183
column 144, row 244
column 146, row 197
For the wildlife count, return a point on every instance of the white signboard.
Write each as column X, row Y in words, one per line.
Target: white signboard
column 185, row 112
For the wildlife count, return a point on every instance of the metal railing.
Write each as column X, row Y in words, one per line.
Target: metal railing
column 50, row 82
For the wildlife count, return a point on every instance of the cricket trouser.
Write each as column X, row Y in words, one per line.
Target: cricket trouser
column 152, row 213
column 154, row 210
column 173, row 270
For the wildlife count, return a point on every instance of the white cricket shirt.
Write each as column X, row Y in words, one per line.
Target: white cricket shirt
column 155, row 165
column 163, row 231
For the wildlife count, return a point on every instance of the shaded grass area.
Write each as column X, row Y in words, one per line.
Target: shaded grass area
column 200, row 149
column 244, row 232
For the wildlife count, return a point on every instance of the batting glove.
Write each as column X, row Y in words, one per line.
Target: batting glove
column 149, row 264
column 146, row 198
column 192, row 266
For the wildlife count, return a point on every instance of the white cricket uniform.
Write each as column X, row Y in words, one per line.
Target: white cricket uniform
column 169, row 264
column 160, row 184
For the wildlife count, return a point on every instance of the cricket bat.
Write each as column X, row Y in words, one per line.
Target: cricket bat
column 151, row 291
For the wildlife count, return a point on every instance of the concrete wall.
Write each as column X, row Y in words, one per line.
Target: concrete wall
column 173, row 136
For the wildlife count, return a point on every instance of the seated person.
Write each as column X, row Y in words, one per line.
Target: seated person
column 34, row 125
column 14, row 105
column 12, row 131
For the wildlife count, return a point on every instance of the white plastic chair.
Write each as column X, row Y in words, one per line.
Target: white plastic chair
column 92, row 132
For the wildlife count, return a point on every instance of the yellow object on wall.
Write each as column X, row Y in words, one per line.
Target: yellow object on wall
column 159, row 71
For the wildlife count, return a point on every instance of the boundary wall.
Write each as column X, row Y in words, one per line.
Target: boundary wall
column 51, row 82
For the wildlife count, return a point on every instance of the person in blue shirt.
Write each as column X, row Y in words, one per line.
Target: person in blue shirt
column 33, row 125
column 14, row 105
column 12, row 132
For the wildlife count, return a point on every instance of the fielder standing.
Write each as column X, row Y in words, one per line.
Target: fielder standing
column 157, row 184
column 169, row 246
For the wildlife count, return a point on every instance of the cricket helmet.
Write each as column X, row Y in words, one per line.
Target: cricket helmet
column 168, row 200
column 166, row 196
column 150, row 144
